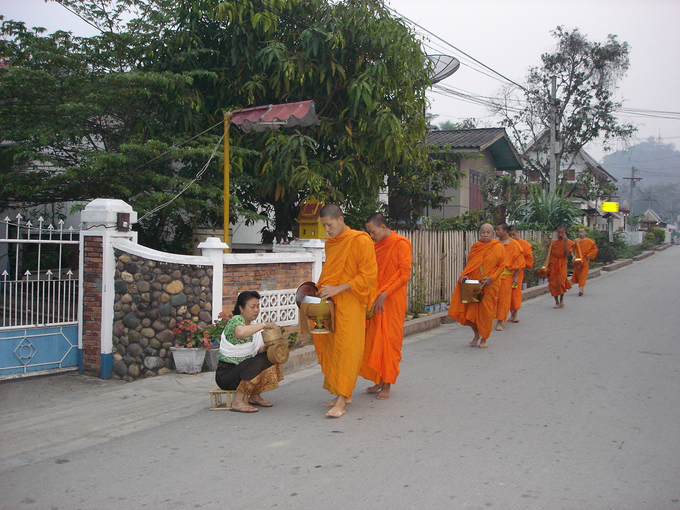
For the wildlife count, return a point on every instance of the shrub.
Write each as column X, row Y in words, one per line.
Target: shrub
column 658, row 233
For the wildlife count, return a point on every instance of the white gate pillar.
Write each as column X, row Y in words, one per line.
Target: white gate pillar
column 104, row 220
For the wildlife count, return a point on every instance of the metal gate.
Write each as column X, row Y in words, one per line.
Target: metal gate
column 38, row 298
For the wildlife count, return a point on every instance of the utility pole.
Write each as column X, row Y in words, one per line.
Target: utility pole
column 632, row 180
column 553, row 121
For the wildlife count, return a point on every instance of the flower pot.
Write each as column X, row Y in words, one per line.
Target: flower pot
column 211, row 358
column 188, row 360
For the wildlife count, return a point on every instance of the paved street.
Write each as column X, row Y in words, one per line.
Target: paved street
column 576, row 408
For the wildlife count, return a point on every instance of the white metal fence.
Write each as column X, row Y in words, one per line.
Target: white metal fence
column 38, row 274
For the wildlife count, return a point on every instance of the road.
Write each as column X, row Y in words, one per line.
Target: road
column 576, row 408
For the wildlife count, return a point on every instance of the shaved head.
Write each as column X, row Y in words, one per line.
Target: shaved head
column 378, row 219
column 331, row 211
column 486, row 233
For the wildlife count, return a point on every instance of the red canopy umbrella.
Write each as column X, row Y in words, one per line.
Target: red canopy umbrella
column 259, row 118
column 274, row 116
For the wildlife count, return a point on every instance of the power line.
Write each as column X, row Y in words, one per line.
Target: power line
column 457, row 49
column 188, row 185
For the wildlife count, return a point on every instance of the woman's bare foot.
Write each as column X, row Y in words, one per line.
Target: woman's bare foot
column 241, row 405
column 375, row 388
column 257, row 400
column 339, row 408
column 332, row 403
column 384, row 392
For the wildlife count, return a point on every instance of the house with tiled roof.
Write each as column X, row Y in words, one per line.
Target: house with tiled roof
column 483, row 153
column 573, row 165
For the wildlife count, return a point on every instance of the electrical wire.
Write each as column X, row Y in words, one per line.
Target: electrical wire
column 505, row 78
column 177, row 145
column 186, row 187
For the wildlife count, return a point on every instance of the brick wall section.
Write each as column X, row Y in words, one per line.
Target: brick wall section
column 279, row 276
column 92, row 305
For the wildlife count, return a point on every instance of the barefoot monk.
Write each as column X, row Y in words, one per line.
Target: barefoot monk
column 558, row 280
column 485, row 263
column 385, row 332
column 527, row 248
column 349, row 277
column 587, row 251
column 514, row 262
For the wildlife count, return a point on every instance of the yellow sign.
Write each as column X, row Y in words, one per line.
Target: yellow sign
column 610, row 207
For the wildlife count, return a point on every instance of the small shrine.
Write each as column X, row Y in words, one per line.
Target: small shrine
column 309, row 220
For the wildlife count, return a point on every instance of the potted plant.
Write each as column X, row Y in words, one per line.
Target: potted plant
column 191, row 343
column 215, row 331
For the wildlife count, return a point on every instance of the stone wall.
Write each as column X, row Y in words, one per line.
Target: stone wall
column 151, row 298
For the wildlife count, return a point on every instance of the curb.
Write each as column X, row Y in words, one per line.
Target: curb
column 644, row 255
column 618, row 264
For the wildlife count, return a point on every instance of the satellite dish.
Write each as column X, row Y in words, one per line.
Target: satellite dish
column 443, row 66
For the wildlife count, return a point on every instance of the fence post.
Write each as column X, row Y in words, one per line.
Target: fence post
column 213, row 249
column 316, row 247
column 104, row 220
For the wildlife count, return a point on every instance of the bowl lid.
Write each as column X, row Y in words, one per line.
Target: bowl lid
column 305, row 289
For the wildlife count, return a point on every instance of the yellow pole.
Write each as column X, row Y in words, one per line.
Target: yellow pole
column 225, row 191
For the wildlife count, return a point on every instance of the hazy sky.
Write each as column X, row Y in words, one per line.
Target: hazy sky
column 509, row 36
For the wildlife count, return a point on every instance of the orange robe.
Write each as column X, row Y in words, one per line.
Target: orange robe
column 491, row 256
column 588, row 251
column 516, row 298
column 385, row 333
column 558, row 280
column 514, row 259
column 350, row 258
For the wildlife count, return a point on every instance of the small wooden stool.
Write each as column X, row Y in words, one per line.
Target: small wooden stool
column 216, row 402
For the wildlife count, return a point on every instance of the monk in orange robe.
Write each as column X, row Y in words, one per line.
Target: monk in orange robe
column 514, row 262
column 558, row 279
column 385, row 333
column 588, row 251
column 485, row 262
column 349, row 277
column 528, row 249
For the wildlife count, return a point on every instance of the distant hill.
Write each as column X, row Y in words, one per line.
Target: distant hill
column 654, row 161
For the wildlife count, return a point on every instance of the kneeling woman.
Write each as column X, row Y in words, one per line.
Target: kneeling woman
column 243, row 365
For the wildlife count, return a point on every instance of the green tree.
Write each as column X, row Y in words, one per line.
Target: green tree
column 501, row 196
column 127, row 114
column 469, row 123
column 587, row 75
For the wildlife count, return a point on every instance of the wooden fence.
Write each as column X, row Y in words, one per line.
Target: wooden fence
column 438, row 258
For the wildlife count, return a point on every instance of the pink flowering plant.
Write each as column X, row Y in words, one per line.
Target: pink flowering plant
column 189, row 334
column 215, row 329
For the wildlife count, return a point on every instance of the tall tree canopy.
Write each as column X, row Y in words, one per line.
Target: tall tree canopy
column 587, row 75
column 128, row 113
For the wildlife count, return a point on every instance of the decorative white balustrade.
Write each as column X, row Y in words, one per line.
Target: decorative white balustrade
column 278, row 306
